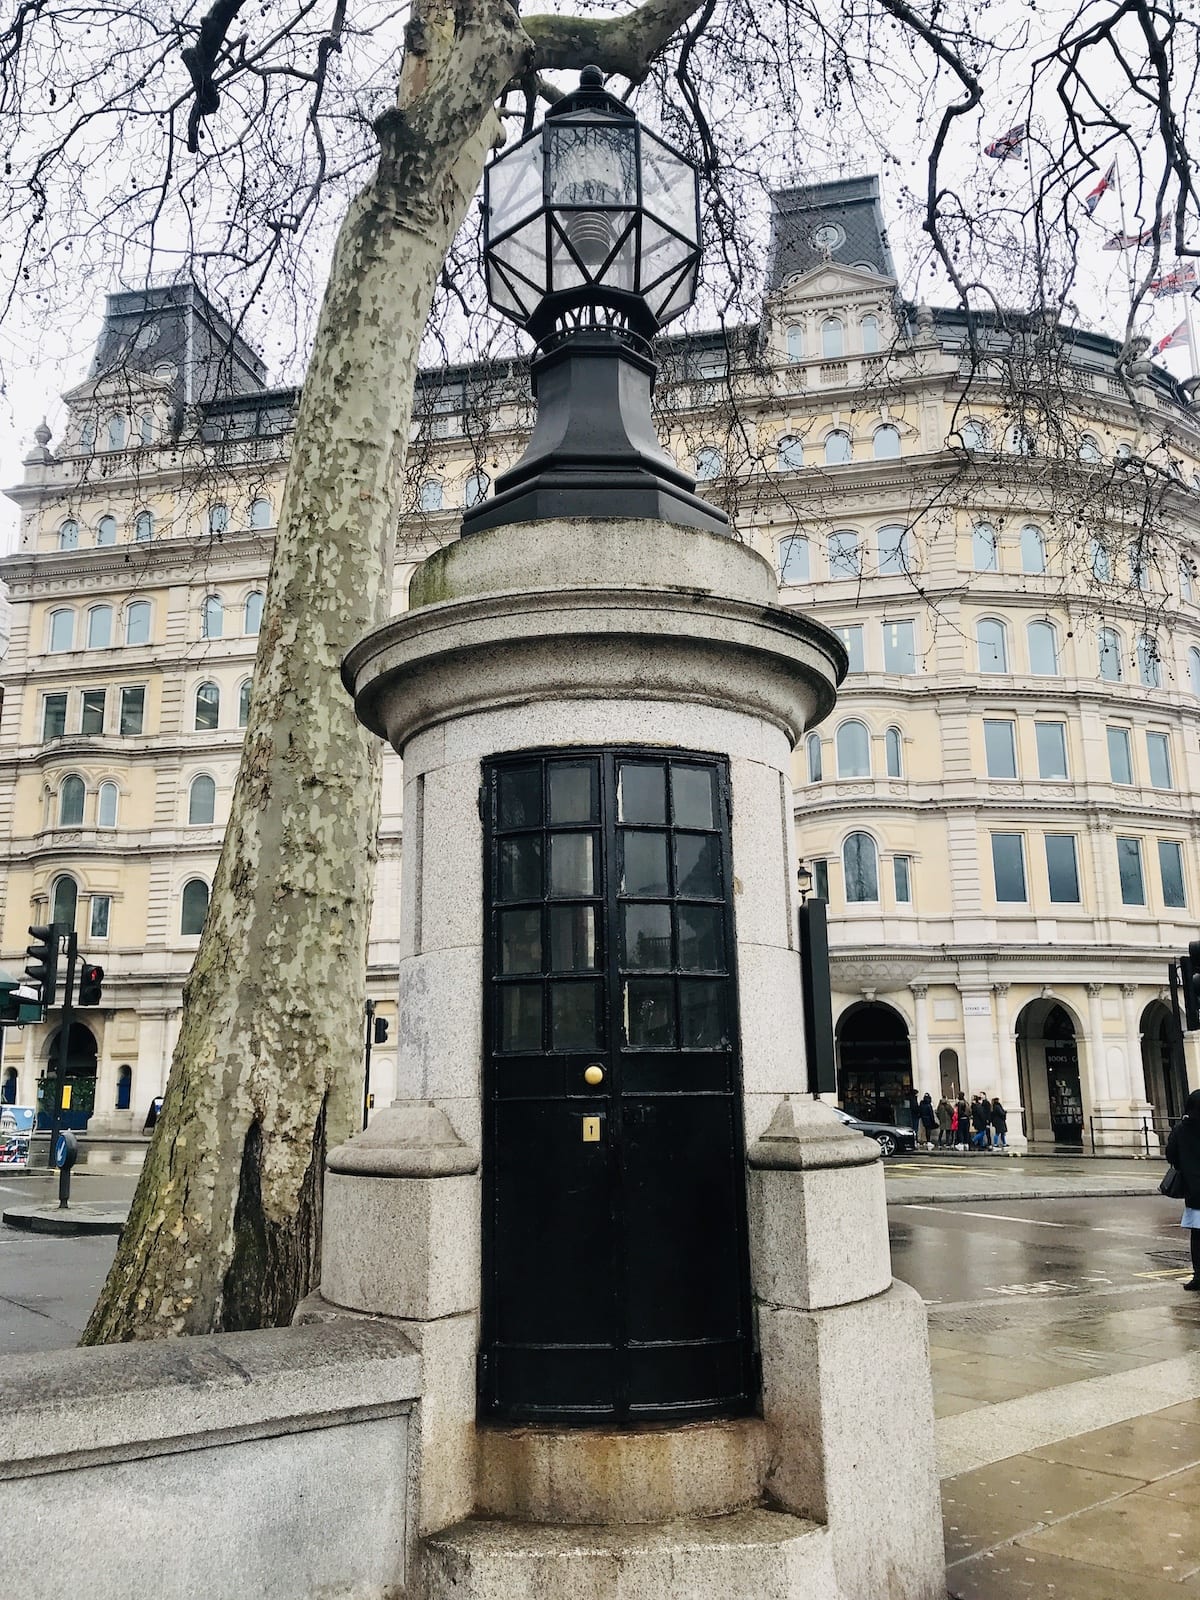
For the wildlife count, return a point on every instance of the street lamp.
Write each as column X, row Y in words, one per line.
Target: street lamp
column 804, row 881
column 592, row 244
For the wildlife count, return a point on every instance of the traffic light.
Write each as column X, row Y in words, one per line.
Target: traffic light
column 91, row 982
column 381, row 1030
column 1189, row 972
column 43, row 968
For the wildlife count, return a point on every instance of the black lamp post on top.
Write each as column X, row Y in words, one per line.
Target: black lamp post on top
column 592, row 244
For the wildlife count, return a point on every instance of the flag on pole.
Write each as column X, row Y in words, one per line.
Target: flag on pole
column 1008, row 144
column 1177, row 281
column 1170, row 340
column 1093, row 198
column 1128, row 241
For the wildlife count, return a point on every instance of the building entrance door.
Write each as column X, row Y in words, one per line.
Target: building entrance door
column 1062, row 1078
column 616, row 1277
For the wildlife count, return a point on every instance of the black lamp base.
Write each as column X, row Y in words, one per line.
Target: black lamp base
column 593, row 451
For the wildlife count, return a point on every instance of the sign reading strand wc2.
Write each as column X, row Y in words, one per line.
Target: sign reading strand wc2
column 977, row 1005
column 16, row 1129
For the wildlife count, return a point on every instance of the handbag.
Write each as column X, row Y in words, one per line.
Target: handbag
column 1172, row 1184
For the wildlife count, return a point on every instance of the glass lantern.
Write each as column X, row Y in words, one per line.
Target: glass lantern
column 591, row 221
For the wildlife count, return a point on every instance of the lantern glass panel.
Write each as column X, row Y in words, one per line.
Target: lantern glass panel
column 664, row 256
column 591, row 164
column 673, row 300
column 602, row 249
column 669, row 187
column 514, row 185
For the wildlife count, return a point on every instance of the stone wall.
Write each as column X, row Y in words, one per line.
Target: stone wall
column 272, row 1464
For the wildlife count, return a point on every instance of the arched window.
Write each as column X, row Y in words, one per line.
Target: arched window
column 1033, row 549
column 244, row 704
column 202, row 801
column 62, row 630
column 64, row 897
column 894, row 746
column 106, row 805
column 985, row 548
column 1111, row 655
column 1089, row 448
column 1101, row 561
column 143, row 527
column 87, row 435
column 68, row 535
column 813, row 750
column 431, row 495
column 975, row 435
column 260, row 513
column 124, row 1087
column 1149, row 663
column 887, row 443
column 115, row 433
column 70, row 802
column 1186, row 573
column 860, row 869
column 1019, row 440
column 837, row 449
column 992, row 638
column 869, row 328
column 833, row 339
column 895, row 549
column 794, row 565
column 218, row 519
column 252, row 612
column 193, row 907
column 795, row 343
column 475, row 489
column 1139, row 566
column 146, row 428
column 710, row 463
column 1043, row 649
column 208, row 708
column 137, row 622
column 1194, row 669
column 212, row 618
column 853, row 745
column 99, row 627
column 845, row 558
column 106, row 530
column 789, row 453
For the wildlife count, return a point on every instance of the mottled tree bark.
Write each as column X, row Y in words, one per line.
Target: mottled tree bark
column 224, row 1230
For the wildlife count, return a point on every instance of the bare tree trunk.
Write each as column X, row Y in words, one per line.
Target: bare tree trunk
column 224, row 1230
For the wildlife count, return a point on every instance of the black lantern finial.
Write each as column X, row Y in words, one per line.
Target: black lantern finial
column 592, row 244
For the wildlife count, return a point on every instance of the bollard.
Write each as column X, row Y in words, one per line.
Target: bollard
column 66, row 1154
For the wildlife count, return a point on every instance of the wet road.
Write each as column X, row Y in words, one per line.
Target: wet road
column 1027, row 1297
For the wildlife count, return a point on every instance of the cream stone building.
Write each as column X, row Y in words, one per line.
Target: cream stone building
column 1001, row 813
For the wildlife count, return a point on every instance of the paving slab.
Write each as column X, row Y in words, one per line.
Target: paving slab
column 1021, row 1494
column 1144, row 1448
column 1140, row 1533
column 1013, row 1573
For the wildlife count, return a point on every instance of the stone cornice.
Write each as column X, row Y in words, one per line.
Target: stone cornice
column 63, row 570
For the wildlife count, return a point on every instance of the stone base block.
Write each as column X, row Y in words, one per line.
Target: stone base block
column 638, row 1475
column 848, row 1400
column 751, row 1555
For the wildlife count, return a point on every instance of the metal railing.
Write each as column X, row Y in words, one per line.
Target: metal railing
column 1147, row 1135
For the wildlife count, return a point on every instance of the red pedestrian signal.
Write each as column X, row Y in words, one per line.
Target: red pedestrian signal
column 91, row 982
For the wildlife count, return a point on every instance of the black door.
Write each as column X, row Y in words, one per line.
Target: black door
column 1062, row 1078
column 616, row 1281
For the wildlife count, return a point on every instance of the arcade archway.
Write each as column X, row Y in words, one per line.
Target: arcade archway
column 874, row 1063
column 1048, row 1062
column 1163, row 1064
column 80, row 1081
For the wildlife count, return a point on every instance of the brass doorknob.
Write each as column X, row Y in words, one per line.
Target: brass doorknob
column 594, row 1074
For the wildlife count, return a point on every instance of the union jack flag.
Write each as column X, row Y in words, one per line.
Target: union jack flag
column 1176, row 281
column 1093, row 198
column 1170, row 340
column 1128, row 241
column 1008, row 144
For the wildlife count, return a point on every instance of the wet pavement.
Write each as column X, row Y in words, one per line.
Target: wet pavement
column 941, row 1176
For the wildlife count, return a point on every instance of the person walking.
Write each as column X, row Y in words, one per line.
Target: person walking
column 926, row 1121
column 945, row 1122
column 962, row 1129
column 999, row 1121
column 1183, row 1152
column 979, row 1123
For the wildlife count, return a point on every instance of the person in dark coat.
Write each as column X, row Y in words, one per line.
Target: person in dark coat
column 999, row 1120
column 1183, row 1152
column 945, row 1121
column 962, row 1133
column 926, row 1119
column 979, row 1123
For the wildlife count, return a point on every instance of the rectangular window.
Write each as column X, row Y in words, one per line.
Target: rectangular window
column 1008, row 866
column 1051, row 749
column 1170, row 869
column 903, row 879
column 54, row 716
column 852, row 638
column 133, row 710
column 1120, row 756
column 92, row 720
column 900, row 648
column 821, row 880
column 1158, row 750
column 1129, row 865
column 101, row 910
column 1062, row 868
column 1000, row 746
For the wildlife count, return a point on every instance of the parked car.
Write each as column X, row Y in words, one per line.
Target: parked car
column 887, row 1136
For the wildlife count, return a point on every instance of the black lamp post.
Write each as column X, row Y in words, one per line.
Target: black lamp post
column 591, row 244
